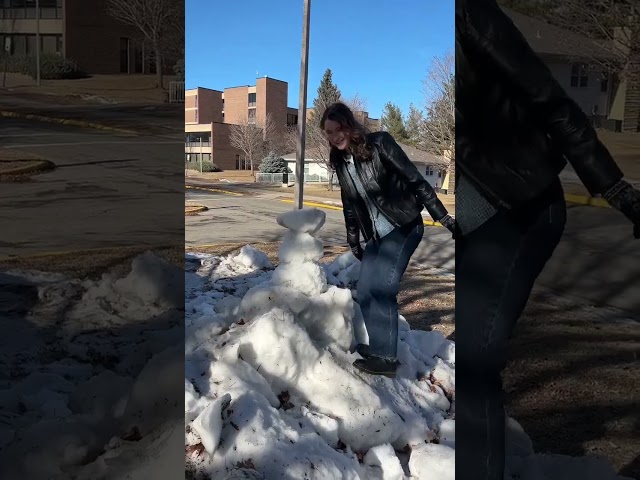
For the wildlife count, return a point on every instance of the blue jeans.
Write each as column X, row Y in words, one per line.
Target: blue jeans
column 496, row 268
column 383, row 264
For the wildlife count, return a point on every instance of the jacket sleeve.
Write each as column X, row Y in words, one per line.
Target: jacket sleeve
column 422, row 189
column 351, row 222
column 490, row 35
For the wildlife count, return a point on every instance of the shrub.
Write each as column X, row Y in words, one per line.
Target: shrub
column 52, row 66
column 16, row 63
column 55, row 67
column 208, row 167
column 273, row 163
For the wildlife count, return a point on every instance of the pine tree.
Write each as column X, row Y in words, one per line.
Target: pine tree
column 414, row 126
column 393, row 122
column 328, row 93
column 273, row 163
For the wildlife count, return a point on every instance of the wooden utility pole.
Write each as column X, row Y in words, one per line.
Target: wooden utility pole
column 302, row 108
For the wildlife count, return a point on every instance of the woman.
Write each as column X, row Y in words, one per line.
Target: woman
column 515, row 130
column 382, row 197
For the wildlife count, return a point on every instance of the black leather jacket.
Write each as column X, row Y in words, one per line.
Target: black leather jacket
column 392, row 182
column 515, row 125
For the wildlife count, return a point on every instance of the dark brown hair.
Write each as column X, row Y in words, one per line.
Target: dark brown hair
column 339, row 112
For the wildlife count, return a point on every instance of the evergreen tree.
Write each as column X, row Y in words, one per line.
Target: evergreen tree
column 328, row 93
column 273, row 163
column 392, row 122
column 414, row 126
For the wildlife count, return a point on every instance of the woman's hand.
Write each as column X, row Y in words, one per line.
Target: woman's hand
column 626, row 199
column 449, row 223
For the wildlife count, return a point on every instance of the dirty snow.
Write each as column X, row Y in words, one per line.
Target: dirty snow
column 87, row 388
column 276, row 359
column 281, row 352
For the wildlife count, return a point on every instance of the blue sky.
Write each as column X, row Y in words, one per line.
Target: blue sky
column 378, row 49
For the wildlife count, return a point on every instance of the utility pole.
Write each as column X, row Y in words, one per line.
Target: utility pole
column 38, row 42
column 302, row 108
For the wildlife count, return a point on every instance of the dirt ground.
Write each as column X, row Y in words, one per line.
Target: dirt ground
column 140, row 89
column 573, row 380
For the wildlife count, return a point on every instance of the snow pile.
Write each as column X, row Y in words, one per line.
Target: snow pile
column 90, row 386
column 270, row 386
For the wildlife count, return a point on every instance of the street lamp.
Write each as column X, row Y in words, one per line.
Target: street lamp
column 302, row 108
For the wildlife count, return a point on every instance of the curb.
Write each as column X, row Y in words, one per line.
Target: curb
column 66, row 121
column 585, row 200
column 429, row 223
column 194, row 209
column 40, row 166
column 217, row 190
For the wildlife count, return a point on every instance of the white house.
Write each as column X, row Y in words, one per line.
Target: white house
column 314, row 171
column 432, row 167
column 575, row 61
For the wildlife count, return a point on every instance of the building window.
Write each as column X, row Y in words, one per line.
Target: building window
column 604, row 82
column 292, row 119
column 237, row 162
column 25, row 44
column 252, row 99
column 17, row 9
column 430, row 171
column 252, row 115
column 579, row 75
column 193, row 139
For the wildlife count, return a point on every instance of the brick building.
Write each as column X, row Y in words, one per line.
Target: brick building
column 210, row 113
column 80, row 30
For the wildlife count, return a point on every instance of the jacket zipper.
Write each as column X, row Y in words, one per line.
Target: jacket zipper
column 389, row 219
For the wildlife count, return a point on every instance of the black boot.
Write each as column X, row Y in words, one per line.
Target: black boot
column 363, row 350
column 377, row 366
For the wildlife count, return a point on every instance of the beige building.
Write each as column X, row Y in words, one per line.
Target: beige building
column 80, row 30
column 203, row 105
column 210, row 144
column 210, row 113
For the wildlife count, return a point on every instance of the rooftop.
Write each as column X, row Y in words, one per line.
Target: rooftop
column 548, row 39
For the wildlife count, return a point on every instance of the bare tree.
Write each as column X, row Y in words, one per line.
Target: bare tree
column 612, row 25
column 438, row 129
column 154, row 19
column 256, row 140
column 249, row 139
column 275, row 137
